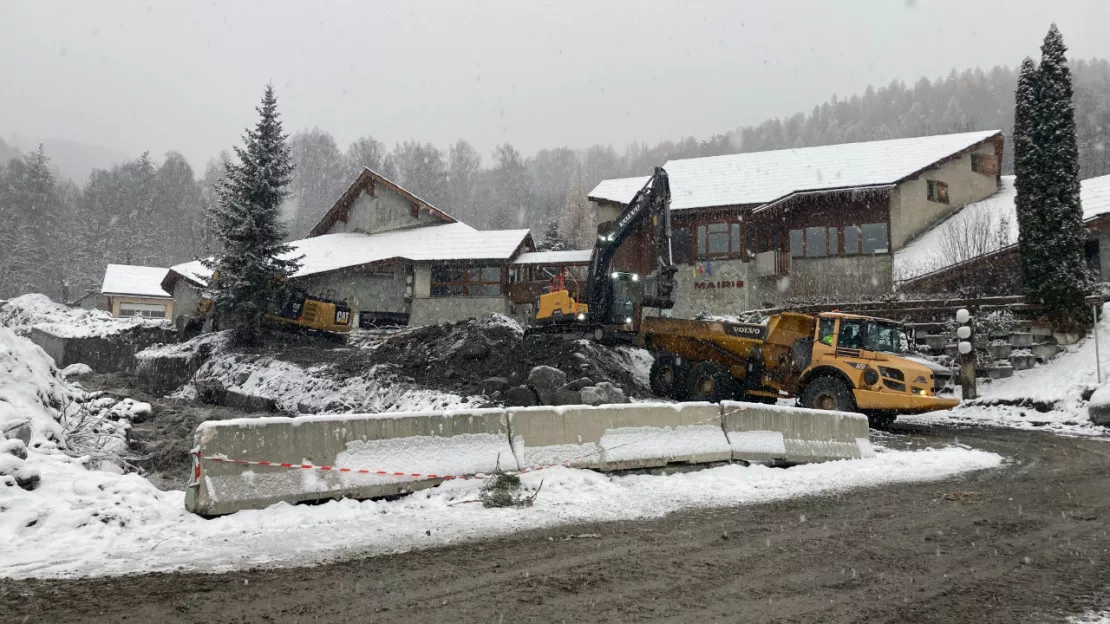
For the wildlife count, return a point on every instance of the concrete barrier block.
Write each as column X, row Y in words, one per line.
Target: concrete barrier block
column 422, row 446
column 618, row 437
column 771, row 433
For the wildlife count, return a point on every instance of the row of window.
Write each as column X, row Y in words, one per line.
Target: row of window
column 460, row 281
column 848, row 240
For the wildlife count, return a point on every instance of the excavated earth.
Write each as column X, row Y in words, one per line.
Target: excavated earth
column 1025, row 543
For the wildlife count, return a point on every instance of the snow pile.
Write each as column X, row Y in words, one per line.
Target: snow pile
column 33, row 393
column 24, row 312
column 1051, row 397
column 40, row 414
column 322, row 388
column 84, row 523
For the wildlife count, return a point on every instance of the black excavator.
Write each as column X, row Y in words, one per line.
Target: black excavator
column 611, row 305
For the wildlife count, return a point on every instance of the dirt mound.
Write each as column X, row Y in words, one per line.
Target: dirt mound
column 456, row 357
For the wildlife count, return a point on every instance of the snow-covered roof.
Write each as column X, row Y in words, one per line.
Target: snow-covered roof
column 762, row 177
column 331, row 252
column 126, row 279
column 983, row 228
column 569, row 256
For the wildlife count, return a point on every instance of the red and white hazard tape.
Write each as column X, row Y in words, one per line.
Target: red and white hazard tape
column 384, row 473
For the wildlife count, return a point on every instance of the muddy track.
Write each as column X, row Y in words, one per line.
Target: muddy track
column 1029, row 542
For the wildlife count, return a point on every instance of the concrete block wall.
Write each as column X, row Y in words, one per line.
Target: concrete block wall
column 457, row 442
column 415, row 451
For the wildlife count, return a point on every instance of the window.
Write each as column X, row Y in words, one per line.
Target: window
column 797, row 243
column 851, row 240
column 682, row 245
column 986, row 164
column 851, row 334
column 462, row 281
column 816, row 244
column 874, row 238
column 938, row 191
column 720, row 240
column 146, row 310
column 825, row 331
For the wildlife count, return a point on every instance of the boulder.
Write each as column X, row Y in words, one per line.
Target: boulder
column 545, row 380
column 76, row 370
column 578, row 384
column 1098, row 409
column 592, row 395
column 490, row 385
column 611, row 393
column 520, row 396
column 14, row 447
column 563, row 396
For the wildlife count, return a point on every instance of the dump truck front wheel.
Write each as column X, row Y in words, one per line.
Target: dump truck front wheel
column 709, row 382
column 668, row 376
column 828, row 393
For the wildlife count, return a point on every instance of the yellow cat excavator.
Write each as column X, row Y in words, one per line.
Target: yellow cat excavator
column 297, row 308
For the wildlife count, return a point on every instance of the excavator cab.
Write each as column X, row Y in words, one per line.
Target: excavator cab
column 561, row 304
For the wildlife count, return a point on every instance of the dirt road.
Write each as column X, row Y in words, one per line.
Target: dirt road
column 1029, row 542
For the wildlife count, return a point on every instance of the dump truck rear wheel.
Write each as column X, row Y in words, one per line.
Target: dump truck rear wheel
column 828, row 393
column 709, row 382
column 667, row 376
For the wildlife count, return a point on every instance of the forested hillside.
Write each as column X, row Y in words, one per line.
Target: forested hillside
column 59, row 234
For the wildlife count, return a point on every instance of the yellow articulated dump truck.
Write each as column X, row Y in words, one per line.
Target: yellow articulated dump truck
column 827, row 361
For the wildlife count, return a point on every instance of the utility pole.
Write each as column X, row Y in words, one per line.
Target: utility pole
column 1095, row 301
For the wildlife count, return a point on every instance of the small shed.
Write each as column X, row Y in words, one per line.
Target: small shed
column 130, row 290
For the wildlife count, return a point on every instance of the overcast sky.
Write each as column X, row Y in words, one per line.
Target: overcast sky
column 162, row 75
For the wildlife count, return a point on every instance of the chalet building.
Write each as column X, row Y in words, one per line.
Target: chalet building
column 976, row 249
column 397, row 259
column 135, row 291
column 752, row 229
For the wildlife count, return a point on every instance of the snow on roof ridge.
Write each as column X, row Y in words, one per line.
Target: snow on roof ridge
column 131, row 279
column 749, row 178
column 340, row 250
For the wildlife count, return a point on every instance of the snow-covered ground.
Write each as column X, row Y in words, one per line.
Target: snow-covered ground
column 1091, row 618
column 1047, row 397
column 26, row 311
column 320, row 390
column 85, row 523
column 80, row 521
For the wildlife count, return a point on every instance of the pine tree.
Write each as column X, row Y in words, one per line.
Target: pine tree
column 1025, row 170
column 551, row 240
column 1058, row 275
column 578, row 221
column 251, row 272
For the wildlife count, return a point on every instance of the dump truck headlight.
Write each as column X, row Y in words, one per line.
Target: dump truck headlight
column 581, row 317
column 628, row 321
column 615, row 275
column 870, row 376
column 635, row 277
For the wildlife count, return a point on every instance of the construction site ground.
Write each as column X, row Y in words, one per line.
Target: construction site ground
column 1027, row 542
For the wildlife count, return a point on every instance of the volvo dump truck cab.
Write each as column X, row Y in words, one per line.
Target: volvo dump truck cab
column 827, row 361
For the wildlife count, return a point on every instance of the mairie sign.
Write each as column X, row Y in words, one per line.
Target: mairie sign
column 719, row 284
